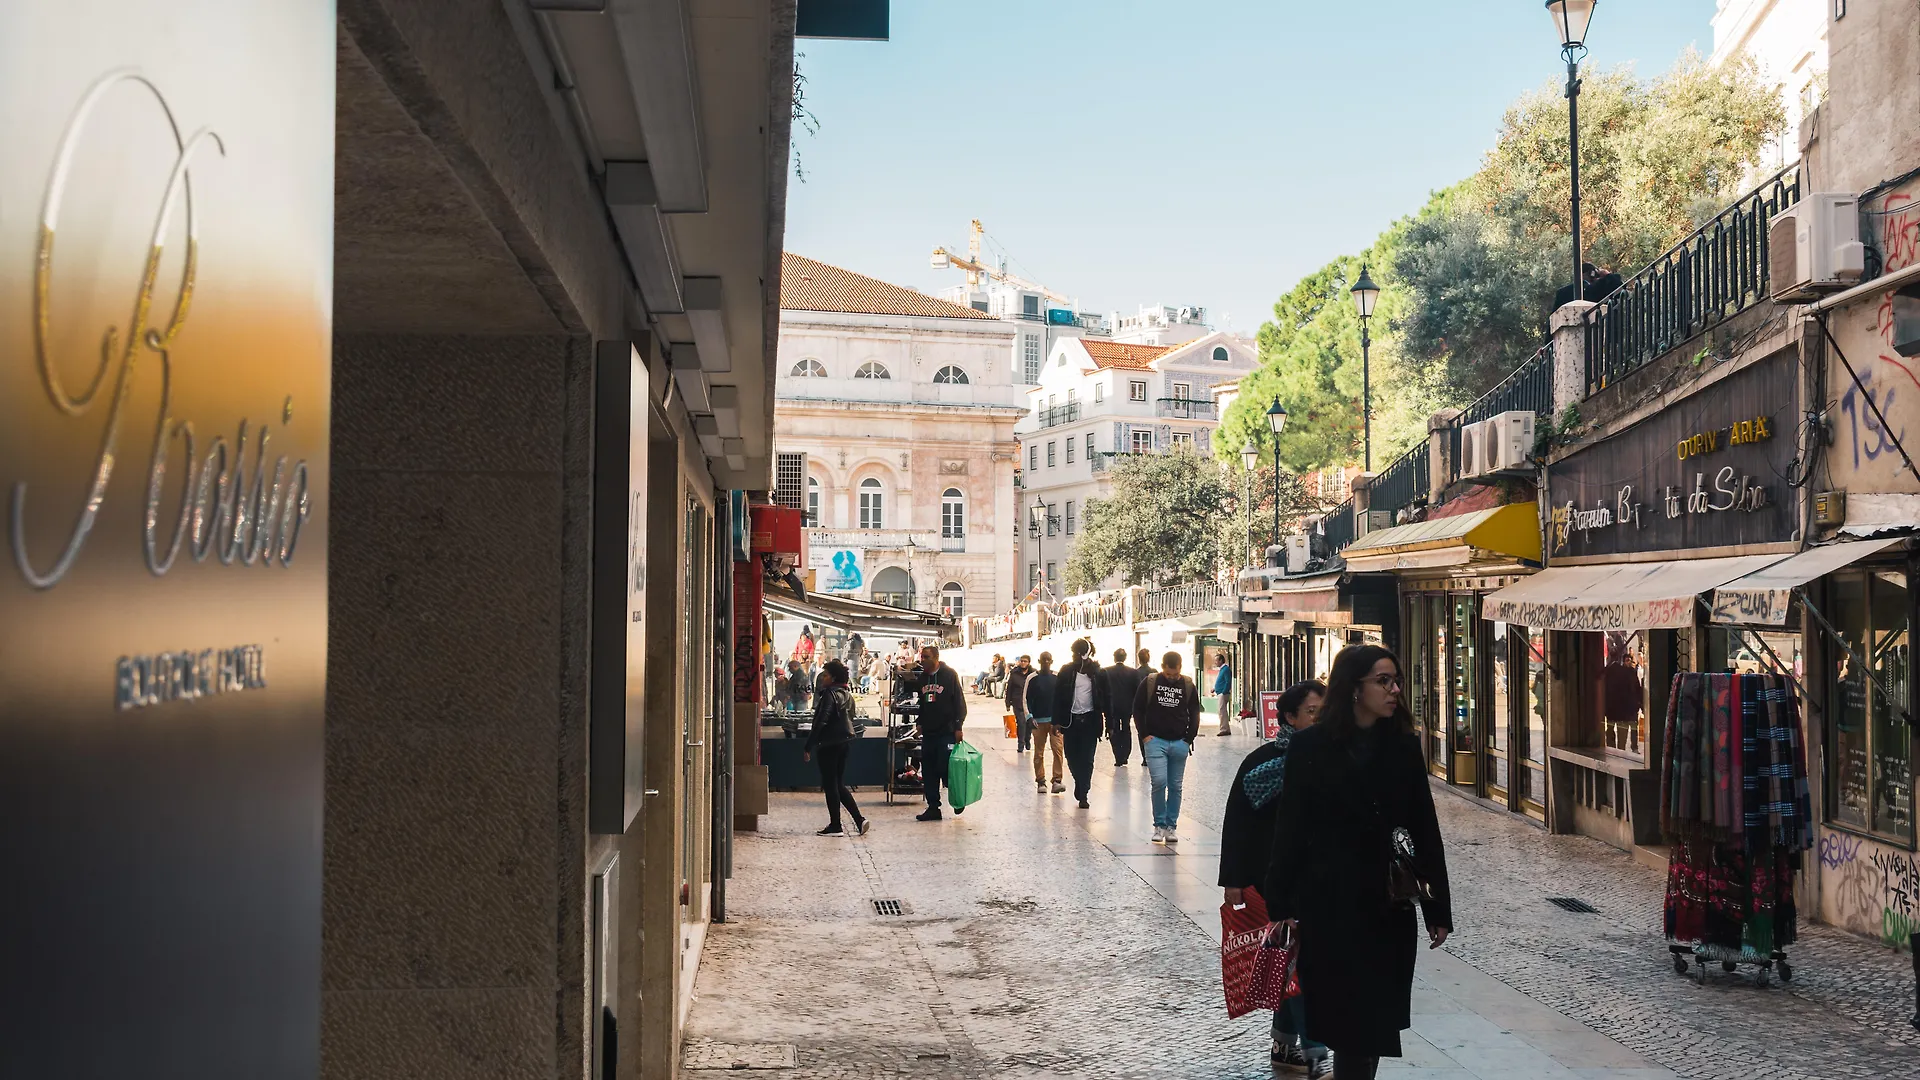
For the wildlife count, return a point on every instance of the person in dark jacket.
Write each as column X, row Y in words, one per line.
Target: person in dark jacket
column 1017, row 676
column 1123, row 682
column 1040, row 686
column 943, row 711
column 831, row 739
column 1080, row 705
column 1352, row 782
column 1246, row 843
column 1166, row 709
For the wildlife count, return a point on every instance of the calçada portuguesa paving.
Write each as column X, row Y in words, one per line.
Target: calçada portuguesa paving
column 1040, row 940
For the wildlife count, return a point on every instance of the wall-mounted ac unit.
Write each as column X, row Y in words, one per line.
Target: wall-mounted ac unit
column 1472, row 454
column 1814, row 247
column 1507, row 442
column 1299, row 553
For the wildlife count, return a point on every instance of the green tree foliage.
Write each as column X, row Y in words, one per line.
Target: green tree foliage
column 1468, row 281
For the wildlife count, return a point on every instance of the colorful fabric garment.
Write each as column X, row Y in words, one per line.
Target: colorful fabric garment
column 1263, row 781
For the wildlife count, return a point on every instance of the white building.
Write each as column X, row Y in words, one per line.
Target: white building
column 1040, row 321
column 1788, row 38
column 894, row 418
column 1159, row 324
column 1098, row 399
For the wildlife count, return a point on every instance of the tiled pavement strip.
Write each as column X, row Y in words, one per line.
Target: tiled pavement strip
column 1045, row 941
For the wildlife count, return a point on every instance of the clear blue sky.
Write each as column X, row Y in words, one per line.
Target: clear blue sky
column 1205, row 152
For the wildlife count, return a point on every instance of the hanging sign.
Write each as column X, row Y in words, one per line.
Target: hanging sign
column 840, row 570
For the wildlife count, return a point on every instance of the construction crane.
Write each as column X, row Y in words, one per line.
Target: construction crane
column 942, row 259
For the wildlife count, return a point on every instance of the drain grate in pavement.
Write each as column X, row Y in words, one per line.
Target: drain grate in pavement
column 889, row 907
column 1570, row 904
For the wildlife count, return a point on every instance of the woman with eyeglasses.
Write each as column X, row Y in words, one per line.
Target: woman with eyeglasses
column 1356, row 844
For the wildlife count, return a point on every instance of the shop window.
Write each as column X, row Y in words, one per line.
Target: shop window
column 1869, row 752
column 1417, row 662
column 1437, row 625
column 1617, row 689
column 1500, row 715
column 1465, row 684
column 1534, row 780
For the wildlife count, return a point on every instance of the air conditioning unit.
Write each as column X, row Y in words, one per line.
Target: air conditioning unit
column 1472, row 453
column 1814, row 247
column 1299, row 552
column 1507, row 442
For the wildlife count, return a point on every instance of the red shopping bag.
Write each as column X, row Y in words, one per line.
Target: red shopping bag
column 1256, row 971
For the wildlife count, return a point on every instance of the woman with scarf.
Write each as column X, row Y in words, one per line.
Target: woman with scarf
column 1246, row 844
column 1356, row 843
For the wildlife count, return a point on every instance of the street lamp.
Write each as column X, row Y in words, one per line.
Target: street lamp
column 1276, row 420
column 1365, row 293
column 1570, row 21
column 1040, row 536
column 1250, row 457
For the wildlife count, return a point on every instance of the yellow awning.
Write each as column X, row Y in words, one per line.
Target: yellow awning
column 1511, row 531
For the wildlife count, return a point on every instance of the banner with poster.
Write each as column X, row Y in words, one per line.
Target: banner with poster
column 1269, row 713
column 840, row 570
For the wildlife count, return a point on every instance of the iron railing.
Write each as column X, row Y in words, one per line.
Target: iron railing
column 1404, row 482
column 1337, row 527
column 1060, row 414
column 1528, row 389
column 1177, row 600
column 1706, row 279
column 1089, row 614
column 1183, row 409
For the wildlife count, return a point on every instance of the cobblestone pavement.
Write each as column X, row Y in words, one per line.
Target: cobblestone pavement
column 1042, row 940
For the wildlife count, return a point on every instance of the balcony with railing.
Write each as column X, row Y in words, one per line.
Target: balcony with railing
column 1177, row 600
column 1338, row 527
column 1408, row 479
column 1059, row 414
column 1178, row 408
column 1528, row 389
column 1701, row 282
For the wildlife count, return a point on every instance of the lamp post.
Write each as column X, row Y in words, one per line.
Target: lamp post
column 1250, row 457
column 1365, row 293
column 1570, row 21
column 1277, row 421
column 1039, row 517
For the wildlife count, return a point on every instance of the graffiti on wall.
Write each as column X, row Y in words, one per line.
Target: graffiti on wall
column 1870, row 888
column 1864, row 457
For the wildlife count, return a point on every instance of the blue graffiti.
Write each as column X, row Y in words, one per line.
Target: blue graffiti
column 1869, row 438
column 1838, row 849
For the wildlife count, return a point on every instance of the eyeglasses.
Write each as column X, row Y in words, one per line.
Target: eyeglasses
column 1384, row 682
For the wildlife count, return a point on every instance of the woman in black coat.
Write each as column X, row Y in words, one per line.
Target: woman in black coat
column 1351, row 780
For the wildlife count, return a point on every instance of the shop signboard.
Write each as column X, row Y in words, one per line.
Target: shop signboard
column 1708, row 472
column 1269, row 713
column 166, row 273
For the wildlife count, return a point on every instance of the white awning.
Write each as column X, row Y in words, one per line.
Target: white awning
column 1760, row 598
column 856, row 616
column 1616, row 596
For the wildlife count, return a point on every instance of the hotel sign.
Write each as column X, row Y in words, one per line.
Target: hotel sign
column 1709, row 471
column 166, row 239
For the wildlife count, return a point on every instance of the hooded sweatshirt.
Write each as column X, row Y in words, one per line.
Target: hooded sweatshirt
column 1167, row 708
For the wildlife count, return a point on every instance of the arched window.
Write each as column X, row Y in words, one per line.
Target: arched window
column 950, row 374
column 873, row 504
column 893, row 586
column 809, row 369
column 953, row 600
column 873, row 369
column 953, row 518
column 813, row 503
column 1220, row 353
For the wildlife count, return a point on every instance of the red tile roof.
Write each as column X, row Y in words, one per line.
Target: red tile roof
column 1108, row 354
column 809, row 285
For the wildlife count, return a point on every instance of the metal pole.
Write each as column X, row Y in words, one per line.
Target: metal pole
column 1366, row 392
column 1276, row 493
column 1573, row 157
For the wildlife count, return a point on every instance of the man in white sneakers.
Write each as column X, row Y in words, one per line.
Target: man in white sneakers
column 1166, row 710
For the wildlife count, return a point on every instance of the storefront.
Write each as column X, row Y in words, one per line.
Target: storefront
column 1642, row 523
column 1476, row 689
column 1299, row 623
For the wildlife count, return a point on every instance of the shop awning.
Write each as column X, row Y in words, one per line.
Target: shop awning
column 1310, row 593
column 1760, row 598
column 856, row 616
column 1616, row 596
column 1507, row 532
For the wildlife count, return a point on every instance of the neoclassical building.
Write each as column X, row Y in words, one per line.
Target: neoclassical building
column 893, row 427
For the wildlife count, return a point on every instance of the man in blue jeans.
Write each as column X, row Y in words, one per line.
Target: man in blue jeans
column 943, row 710
column 1166, row 712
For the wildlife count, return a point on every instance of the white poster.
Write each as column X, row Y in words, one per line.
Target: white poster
column 840, row 570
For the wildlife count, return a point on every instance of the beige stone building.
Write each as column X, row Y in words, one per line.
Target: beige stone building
column 893, row 428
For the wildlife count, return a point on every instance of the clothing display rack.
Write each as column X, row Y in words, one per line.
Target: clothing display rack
column 1734, row 807
column 903, row 737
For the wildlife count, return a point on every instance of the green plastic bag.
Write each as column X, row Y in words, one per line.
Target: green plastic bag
column 963, row 776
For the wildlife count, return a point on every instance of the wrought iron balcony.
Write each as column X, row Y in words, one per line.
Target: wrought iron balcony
column 1185, row 408
column 1059, row 414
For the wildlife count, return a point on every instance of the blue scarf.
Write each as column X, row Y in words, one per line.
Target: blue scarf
column 1263, row 781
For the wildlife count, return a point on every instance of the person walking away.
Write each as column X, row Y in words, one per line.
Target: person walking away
column 830, row 741
column 1167, row 712
column 1246, row 844
column 1017, row 676
column 1081, row 698
column 1123, row 682
column 1353, row 800
column 943, row 711
column 1223, row 690
column 799, row 687
column 1145, row 658
column 1040, row 687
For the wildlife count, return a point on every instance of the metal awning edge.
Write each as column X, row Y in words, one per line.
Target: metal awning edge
column 1762, row 597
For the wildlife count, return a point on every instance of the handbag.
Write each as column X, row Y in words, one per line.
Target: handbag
column 1404, row 884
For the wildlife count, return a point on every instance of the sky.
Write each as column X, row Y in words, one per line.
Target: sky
column 1195, row 153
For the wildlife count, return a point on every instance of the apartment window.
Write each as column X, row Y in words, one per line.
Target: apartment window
column 873, row 504
column 1136, row 389
column 950, row 374
column 809, row 369
column 1070, row 518
column 1070, row 441
column 1033, row 576
column 1869, row 748
column 813, row 502
column 1089, row 446
column 953, row 514
column 1033, row 457
column 1182, row 395
column 1050, row 445
column 1072, row 397
column 953, row 600
column 1142, row 441
column 1220, row 353
column 873, row 369
column 1050, row 575
column 1183, row 439
column 1053, row 528
column 1030, row 357
column 1099, row 393
column 789, row 480
column 1029, row 304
